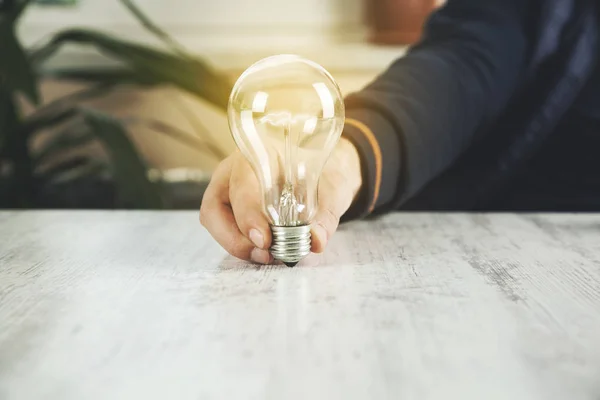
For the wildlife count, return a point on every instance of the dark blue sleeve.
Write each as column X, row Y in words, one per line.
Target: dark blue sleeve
column 418, row 116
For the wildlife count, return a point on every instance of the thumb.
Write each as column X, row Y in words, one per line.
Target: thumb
column 334, row 197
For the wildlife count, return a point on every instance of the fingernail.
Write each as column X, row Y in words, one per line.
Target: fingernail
column 257, row 238
column 320, row 233
column 260, row 256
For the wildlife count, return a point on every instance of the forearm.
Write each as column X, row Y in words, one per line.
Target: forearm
column 418, row 116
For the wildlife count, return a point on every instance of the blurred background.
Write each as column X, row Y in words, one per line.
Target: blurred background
column 121, row 103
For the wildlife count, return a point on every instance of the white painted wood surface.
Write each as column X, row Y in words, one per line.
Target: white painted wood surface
column 145, row 305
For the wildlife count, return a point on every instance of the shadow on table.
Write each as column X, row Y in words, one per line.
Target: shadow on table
column 331, row 258
column 343, row 250
column 232, row 263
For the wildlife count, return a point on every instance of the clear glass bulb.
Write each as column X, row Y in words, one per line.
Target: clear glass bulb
column 286, row 115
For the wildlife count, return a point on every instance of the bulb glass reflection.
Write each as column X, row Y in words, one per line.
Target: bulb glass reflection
column 286, row 115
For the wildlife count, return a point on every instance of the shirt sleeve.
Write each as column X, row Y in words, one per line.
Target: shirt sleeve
column 419, row 115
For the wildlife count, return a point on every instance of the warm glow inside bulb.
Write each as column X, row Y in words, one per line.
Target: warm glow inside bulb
column 286, row 115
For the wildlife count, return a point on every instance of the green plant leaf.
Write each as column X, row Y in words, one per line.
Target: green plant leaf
column 153, row 28
column 130, row 171
column 11, row 15
column 15, row 150
column 99, row 75
column 15, row 70
column 74, row 169
column 9, row 120
column 5, row 191
column 198, row 126
column 60, row 110
column 63, row 166
column 177, row 134
column 46, row 120
column 159, row 67
column 62, row 141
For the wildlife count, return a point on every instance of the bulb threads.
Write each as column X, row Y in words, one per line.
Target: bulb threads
column 290, row 243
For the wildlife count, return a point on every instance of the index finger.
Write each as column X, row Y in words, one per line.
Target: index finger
column 217, row 217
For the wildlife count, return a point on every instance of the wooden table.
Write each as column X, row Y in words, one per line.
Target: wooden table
column 145, row 305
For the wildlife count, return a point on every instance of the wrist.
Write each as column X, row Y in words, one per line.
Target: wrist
column 350, row 162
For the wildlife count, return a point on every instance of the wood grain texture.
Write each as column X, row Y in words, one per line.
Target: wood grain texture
column 145, row 305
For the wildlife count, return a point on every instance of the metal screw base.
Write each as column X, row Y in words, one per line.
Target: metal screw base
column 290, row 243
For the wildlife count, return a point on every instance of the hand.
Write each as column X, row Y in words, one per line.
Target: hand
column 231, row 208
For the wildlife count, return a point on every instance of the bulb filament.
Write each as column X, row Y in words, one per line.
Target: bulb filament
column 287, row 202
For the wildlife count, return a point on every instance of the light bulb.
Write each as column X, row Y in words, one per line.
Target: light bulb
column 286, row 115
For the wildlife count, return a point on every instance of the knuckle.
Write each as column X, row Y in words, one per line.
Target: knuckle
column 243, row 175
column 238, row 248
column 244, row 188
column 202, row 216
column 246, row 220
column 244, row 198
column 335, row 184
column 329, row 219
column 337, row 192
column 337, row 178
column 236, row 193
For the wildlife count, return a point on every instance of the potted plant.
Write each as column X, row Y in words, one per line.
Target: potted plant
column 122, row 179
column 394, row 22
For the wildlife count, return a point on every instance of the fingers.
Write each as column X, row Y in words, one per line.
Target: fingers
column 217, row 217
column 335, row 197
column 221, row 224
column 340, row 182
column 245, row 197
column 232, row 205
